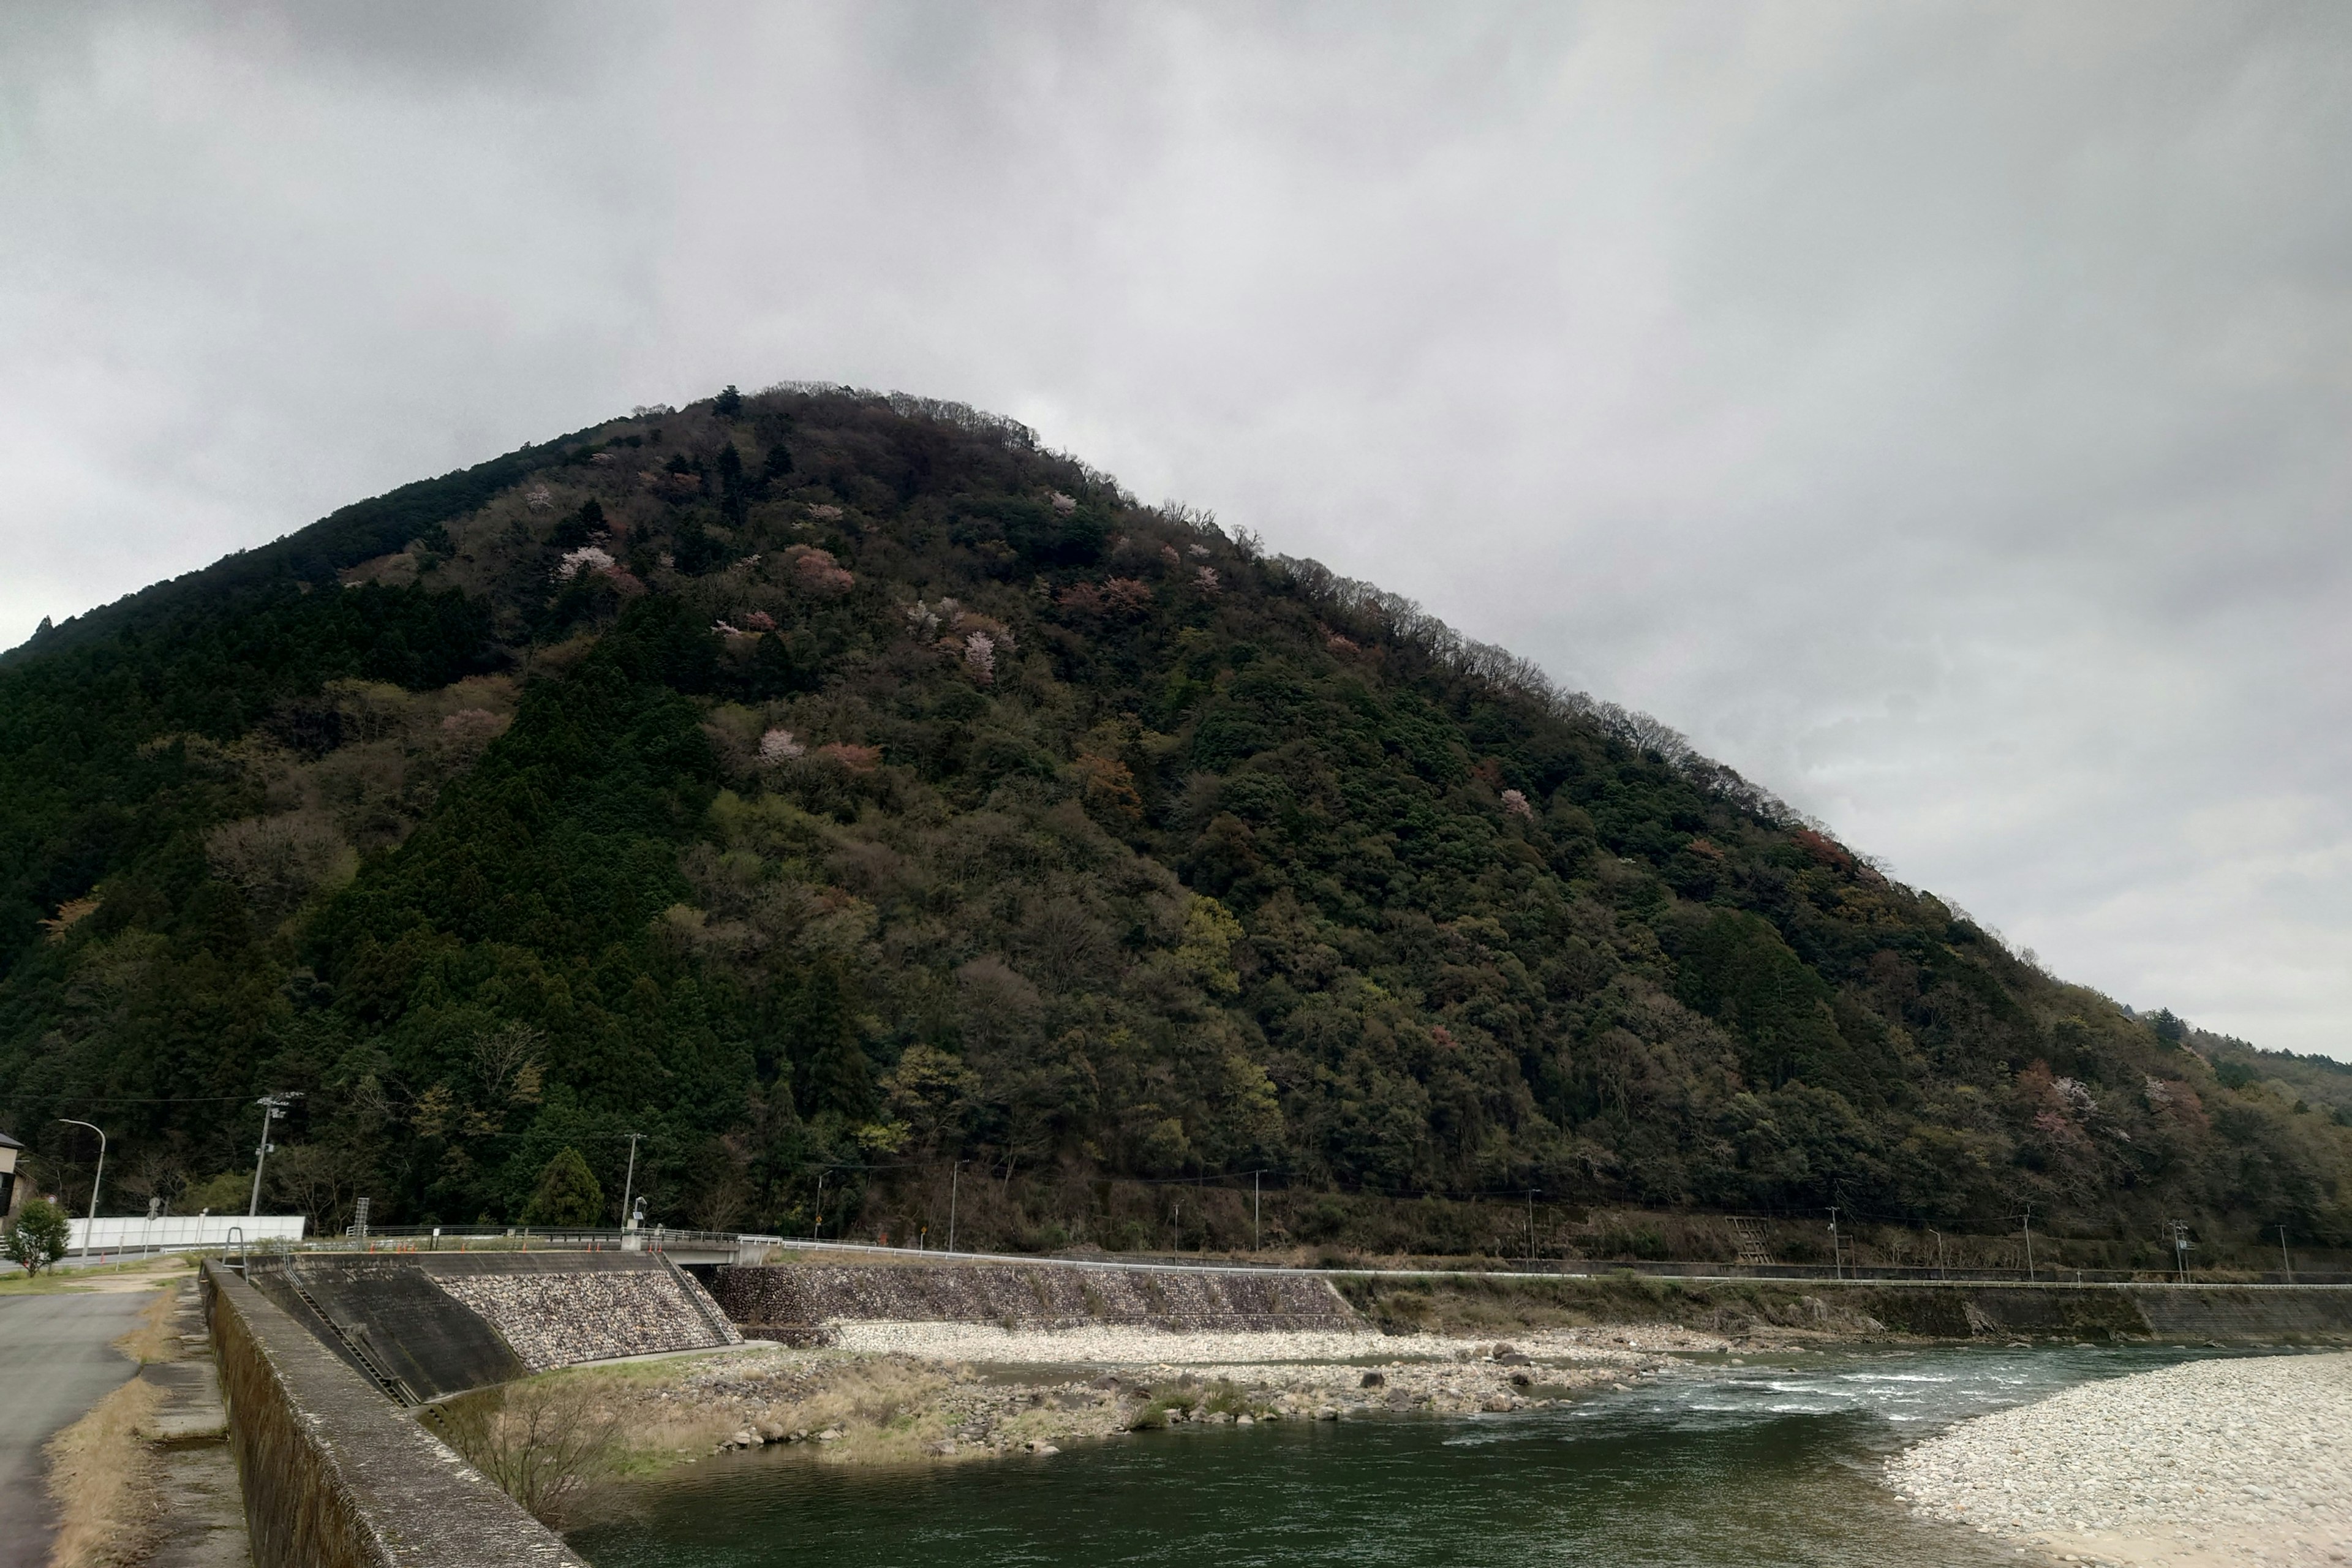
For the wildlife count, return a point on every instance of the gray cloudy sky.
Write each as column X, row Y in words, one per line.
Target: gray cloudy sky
column 1937, row 411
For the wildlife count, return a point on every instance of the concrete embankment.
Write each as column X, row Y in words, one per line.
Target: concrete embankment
column 2209, row 1463
column 797, row 1301
column 443, row 1323
column 1474, row 1303
column 335, row 1475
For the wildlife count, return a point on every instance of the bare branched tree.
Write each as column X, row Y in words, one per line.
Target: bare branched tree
column 508, row 1061
column 541, row 1440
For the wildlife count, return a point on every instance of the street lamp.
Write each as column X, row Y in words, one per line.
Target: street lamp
column 629, row 1182
column 273, row 1106
column 91, row 1234
column 955, row 1174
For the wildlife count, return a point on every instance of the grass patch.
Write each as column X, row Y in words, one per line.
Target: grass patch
column 156, row 1337
column 1166, row 1404
column 98, row 1473
column 50, row 1281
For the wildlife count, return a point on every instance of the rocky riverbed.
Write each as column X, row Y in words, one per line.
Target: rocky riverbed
column 930, row 1392
column 2201, row 1465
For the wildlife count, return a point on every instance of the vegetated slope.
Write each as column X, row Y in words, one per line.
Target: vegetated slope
column 828, row 785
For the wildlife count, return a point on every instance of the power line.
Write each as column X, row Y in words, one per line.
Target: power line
column 157, row 1099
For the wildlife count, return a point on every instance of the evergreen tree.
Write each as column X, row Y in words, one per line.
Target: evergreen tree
column 567, row 1194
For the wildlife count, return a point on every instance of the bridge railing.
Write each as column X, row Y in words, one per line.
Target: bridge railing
column 542, row 1238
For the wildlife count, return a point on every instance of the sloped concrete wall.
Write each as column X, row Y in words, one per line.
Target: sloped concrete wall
column 449, row 1323
column 334, row 1476
column 596, row 1313
column 805, row 1296
column 2233, row 1313
column 410, row 1326
column 2230, row 1314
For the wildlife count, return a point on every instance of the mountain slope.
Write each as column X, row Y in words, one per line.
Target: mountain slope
column 827, row 784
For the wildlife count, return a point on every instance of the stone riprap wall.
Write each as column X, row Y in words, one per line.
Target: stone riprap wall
column 2225, row 1314
column 554, row 1318
column 795, row 1300
column 2229, row 1313
column 333, row 1475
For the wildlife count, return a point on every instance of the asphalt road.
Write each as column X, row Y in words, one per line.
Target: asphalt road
column 55, row 1363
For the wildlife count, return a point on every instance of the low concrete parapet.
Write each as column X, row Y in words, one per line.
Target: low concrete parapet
column 336, row 1477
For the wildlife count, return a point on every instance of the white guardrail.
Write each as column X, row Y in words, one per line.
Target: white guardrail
column 181, row 1232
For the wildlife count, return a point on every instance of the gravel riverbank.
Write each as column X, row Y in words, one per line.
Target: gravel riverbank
column 2204, row 1464
column 899, row 1392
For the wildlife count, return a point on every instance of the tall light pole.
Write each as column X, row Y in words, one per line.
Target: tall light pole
column 2029, row 1243
column 90, row 1234
column 1531, row 1225
column 954, row 1172
column 628, row 1182
column 1254, row 1176
column 2283, row 1258
column 273, row 1106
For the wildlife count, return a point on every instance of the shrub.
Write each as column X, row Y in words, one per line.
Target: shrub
column 541, row 1440
column 39, row 1237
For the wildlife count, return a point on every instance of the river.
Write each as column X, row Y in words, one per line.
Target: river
column 1775, row 1462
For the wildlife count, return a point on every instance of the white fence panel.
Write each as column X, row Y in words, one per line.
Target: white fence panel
column 179, row 1232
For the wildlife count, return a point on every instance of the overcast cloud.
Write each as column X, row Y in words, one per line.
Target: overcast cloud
column 1939, row 411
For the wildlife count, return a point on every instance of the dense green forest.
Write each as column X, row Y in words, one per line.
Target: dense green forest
column 833, row 788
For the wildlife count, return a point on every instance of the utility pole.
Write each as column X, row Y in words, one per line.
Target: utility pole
column 90, row 1234
column 629, row 1182
column 273, row 1106
column 954, row 1172
column 1939, row 1252
column 1179, row 1246
column 1254, row 1176
column 2180, row 1245
column 1837, row 1255
column 2283, row 1258
column 1531, row 1225
column 2029, row 1243
column 817, row 1228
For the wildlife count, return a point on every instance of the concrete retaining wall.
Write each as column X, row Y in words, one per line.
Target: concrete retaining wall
column 334, row 1476
column 593, row 1313
column 409, row 1326
column 793, row 1300
column 447, row 1322
column 2260, row 1315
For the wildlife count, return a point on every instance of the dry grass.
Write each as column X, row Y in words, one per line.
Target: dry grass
column 881, row 1406
column 139, row 1274
column 99, row 1474
column 157, row 1336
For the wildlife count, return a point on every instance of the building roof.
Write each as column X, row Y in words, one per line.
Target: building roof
column 8, row 1143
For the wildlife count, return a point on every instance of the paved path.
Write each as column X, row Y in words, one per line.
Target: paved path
column 55, row 1363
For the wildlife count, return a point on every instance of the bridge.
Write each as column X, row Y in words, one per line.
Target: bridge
column 680, row 1246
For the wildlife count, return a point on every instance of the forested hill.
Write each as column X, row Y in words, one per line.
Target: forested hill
column 824, row 785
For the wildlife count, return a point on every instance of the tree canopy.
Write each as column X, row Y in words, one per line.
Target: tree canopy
column 832, row 786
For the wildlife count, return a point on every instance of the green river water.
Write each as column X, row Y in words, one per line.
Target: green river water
column 1756, row 1466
